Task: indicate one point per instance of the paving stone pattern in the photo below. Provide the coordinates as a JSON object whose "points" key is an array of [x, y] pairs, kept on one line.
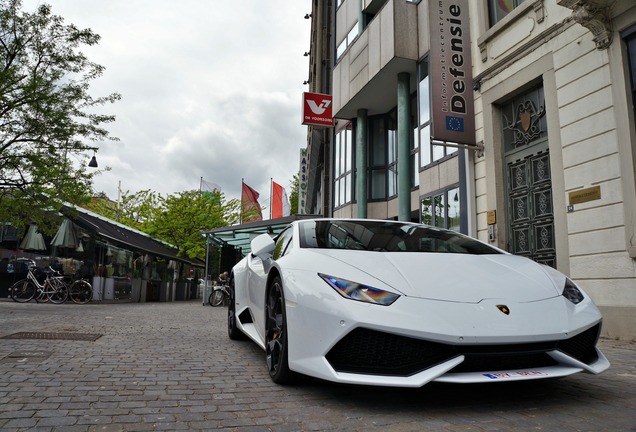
{"points": [[171, 366]]}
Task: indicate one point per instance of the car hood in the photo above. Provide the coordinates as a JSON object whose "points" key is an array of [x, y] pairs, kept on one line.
{"points": [[454, 277]]}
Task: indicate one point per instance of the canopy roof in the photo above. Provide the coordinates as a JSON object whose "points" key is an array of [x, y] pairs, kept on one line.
{"points": [[241, 235], [122, 235]]}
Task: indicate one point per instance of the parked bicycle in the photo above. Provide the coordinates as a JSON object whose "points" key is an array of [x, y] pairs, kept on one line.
{"points": [[220, 295], [80, 291], [49, 285]]}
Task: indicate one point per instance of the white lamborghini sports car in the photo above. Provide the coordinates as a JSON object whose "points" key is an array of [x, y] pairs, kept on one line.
{"points": [[400, 304]]}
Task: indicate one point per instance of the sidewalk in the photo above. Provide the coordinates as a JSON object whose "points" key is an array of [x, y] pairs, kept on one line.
{"points": [[171, 366]]}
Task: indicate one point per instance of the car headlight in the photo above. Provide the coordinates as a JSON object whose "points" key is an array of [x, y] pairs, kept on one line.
{"points": [[572, 292], [355, 291]]}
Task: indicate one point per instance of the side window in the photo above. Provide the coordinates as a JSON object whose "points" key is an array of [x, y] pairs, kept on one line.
{"points": [[283, 243]]}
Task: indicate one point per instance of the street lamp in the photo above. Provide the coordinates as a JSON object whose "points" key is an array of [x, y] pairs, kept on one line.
{"points": [[93, 162]]}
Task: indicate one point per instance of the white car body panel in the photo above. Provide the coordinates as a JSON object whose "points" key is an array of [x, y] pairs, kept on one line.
{"points": [[445, 298]]}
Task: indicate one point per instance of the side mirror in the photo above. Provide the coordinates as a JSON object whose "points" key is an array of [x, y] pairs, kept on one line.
{"points": [[263, 246]]}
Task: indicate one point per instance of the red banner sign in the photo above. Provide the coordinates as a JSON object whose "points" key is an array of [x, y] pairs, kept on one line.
{"points": [[317, 109]]}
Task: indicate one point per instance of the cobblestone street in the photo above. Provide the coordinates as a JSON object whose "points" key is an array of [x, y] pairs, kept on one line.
{"points": [[171, 366]]}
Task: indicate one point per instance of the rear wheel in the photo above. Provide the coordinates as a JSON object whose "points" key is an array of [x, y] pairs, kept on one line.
{"points": [[276, 343], [22, 291], [80, 292]]}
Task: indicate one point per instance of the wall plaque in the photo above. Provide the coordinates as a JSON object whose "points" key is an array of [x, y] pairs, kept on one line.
{"points": [[585, 195]]}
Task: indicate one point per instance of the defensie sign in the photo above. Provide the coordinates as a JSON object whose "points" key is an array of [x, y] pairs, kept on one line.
{"points": [[452, 102]]}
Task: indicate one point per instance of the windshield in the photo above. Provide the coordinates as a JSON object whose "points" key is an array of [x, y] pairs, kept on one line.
{"points": [[387, 236]]}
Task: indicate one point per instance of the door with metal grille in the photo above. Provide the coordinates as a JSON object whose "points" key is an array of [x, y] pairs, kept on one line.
{"points": [[530, 213], [530, 216]]}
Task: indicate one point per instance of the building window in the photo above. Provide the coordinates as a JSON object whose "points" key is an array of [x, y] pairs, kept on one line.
{"points": [[415, 163], [428, 153], [441, 209], [392, 155], [382, 161], [343, 171], [498, 9], [353, 33]]}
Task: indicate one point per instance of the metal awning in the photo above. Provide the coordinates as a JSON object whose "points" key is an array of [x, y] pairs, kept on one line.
{"points": [[241, 235], [120, 235]]}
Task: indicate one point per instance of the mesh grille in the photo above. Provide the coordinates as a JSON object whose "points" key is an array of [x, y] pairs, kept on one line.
{"points": [[581, 346], [373, 352]]}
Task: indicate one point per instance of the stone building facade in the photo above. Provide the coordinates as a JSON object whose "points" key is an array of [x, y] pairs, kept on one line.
{"points": [[550, 173]]}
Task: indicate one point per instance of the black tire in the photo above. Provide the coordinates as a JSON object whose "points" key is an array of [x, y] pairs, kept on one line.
{"points": [[216, 298], [22, 291], [58, 294], [80, 292], [276, 343], [233, 331]]}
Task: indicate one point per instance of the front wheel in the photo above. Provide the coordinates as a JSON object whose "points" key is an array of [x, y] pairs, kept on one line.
{"points": [[80, 292], [276, 341], [22, 291]]}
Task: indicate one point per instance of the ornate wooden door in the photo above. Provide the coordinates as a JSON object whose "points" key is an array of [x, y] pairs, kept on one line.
{"points": [[530, 216]]}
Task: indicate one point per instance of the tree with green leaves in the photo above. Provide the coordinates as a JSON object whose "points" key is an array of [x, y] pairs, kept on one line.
{"points": [[293, 196], [186, 215], [48, 118], [136, 210]]}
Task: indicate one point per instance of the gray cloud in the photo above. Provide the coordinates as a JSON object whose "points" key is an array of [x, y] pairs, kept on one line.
{"points": [[210, 88]]}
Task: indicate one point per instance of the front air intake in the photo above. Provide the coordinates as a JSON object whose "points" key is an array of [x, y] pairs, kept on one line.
{"points": [[373, 352]]}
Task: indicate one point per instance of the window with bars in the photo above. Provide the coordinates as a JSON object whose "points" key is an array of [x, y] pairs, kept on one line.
{"points": [[524, 120]]}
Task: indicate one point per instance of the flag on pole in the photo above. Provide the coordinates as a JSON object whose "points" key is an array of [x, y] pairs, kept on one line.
{"points": [[280, 202], [209, 186], [250, 208], [210, 190]]}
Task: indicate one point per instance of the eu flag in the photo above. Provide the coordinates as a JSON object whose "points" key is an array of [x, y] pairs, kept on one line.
{"points": [[455, 124]]}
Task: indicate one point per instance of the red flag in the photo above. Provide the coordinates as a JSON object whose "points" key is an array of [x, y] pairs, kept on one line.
{"points": [[280, 202], [250, 208]]}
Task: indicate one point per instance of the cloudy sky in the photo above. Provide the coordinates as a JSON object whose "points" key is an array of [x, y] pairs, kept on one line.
{"points": [[210, 88]]}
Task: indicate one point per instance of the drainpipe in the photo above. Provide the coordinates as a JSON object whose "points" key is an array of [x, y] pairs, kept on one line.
{"points": [[361, 163], [404, 131]]}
